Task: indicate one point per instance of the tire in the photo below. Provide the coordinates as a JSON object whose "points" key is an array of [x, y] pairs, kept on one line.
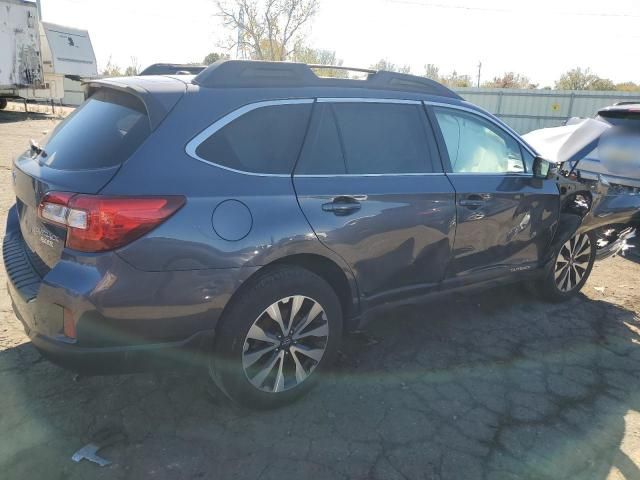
{"points": [[254, 367], [3, 103], [570, 269]]}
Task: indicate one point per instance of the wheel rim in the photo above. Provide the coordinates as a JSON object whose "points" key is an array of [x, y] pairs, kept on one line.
{"points": [[573, 262], [285, 344]]}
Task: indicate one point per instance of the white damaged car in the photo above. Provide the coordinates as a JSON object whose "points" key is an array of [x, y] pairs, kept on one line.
{"points": [[603, 153]]}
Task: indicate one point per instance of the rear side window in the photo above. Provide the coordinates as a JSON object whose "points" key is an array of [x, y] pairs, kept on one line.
{"points": [[368, 138], [101, 133], [264, 140]]}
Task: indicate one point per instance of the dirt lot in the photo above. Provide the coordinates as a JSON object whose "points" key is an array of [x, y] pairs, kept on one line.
{"points": [[495, 385]]}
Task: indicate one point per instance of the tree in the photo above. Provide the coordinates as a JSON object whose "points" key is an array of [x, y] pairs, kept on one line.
{"points": [[432, 71], [213, 57], [579, 79], [269, 29], [314, 56], [133, 69], [510, 80], [628, 87], [603, 84], [456, 81], [111, 70], [384, 64]]}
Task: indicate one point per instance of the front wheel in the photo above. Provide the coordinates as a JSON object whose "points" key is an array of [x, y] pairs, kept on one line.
{"points": [[276, 337], [3, 103], [571, 268]]}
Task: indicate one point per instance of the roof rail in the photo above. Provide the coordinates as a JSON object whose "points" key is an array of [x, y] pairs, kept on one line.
{"points": [[636, 102], [252, 73], [318, 66]]}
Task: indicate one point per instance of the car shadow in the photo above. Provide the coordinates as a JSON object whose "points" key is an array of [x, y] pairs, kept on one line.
{"points": [[12, 116], [490, 385]]}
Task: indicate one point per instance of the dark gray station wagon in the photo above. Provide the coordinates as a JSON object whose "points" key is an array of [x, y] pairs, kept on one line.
{"points": [[253, 213]]}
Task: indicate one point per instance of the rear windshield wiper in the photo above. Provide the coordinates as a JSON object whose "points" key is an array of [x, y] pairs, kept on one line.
{"points": [[37, 149]]}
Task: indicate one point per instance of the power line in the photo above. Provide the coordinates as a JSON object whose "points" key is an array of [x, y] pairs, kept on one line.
{"points": [[505, 10]]}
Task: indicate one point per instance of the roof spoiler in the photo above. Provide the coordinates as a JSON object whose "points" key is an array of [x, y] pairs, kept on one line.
{"points": [[250, 73], [158, 96]]}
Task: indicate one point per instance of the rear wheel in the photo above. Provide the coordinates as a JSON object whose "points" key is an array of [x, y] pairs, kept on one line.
{"points": [[571, 268], [3, 103], [276, 337]]}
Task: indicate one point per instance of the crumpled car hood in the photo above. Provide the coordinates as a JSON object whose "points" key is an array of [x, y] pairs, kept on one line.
{"points": [[605, 153], [567, 143]]}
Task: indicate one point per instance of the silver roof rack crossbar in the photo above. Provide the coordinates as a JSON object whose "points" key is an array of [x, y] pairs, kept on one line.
{"points": [[340, 67]]}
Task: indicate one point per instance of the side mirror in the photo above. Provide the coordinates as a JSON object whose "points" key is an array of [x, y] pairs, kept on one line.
{"points": [[542, 168]]}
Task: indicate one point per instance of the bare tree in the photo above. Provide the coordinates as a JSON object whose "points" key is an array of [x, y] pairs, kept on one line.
{"points": [[111, 69], [384, 64], [313, 56], [133, 69], [432, 71], [269, 29]]}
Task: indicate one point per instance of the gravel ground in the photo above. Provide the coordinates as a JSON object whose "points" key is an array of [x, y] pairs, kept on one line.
{"points": [[495, 385]]}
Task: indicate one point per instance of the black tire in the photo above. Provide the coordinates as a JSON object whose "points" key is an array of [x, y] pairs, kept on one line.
{"points": [[561, 288], [3, 103], [249, 307]]}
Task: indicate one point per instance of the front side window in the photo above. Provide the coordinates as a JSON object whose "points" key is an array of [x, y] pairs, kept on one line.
{"points": [[475, 145], [265, 140], [368, 138]]}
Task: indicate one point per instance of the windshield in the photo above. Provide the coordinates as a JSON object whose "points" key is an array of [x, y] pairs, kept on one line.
{"points": [[101, 133]]}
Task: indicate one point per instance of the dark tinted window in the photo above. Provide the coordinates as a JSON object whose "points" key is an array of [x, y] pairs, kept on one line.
{"points": [[383, 138], [622, 118], [103, 132], [264, 140], [322, 153]]}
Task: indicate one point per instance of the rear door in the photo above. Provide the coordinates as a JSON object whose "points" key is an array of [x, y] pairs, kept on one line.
{"points": [[505, 216], [370, 182], [81, 155]]}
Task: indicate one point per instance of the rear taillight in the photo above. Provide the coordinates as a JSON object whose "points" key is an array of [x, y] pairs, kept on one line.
{"points": [[97, 223]]}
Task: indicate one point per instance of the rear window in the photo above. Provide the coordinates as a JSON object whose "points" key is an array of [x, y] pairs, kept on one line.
{"points": [[103, 132], [264, 140]]}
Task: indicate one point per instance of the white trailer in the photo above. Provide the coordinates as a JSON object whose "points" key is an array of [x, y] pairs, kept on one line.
{"points": [[36, 57]]}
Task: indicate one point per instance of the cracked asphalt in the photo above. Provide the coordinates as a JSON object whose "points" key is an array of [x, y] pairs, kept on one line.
{"points": [[495, 385]]}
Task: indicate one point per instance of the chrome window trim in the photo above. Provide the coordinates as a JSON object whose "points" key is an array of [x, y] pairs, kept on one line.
{"points": [[219, 124], [368, 100], [497, 123], [310, 175]]}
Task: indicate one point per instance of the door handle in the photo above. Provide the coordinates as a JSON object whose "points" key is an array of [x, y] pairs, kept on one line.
{"points": [[474, 201], [471, 203], [343, 205]]}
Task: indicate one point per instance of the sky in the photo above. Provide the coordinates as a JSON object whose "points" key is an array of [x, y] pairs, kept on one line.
{"points": [[540, 39]]}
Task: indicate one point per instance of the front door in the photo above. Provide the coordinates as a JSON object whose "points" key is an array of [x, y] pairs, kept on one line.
{"points": [[371, 184], [505, 216]]}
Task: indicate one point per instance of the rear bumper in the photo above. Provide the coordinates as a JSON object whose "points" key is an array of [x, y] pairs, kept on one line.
{"points": [[112, 360], [126, 319]]}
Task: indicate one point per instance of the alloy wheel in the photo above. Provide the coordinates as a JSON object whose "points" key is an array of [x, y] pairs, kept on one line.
{"points": [[572, 262], [285, 344]]}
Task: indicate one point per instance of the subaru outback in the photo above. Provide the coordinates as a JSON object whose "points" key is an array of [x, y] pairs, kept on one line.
{"points": [[251, 215]]}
